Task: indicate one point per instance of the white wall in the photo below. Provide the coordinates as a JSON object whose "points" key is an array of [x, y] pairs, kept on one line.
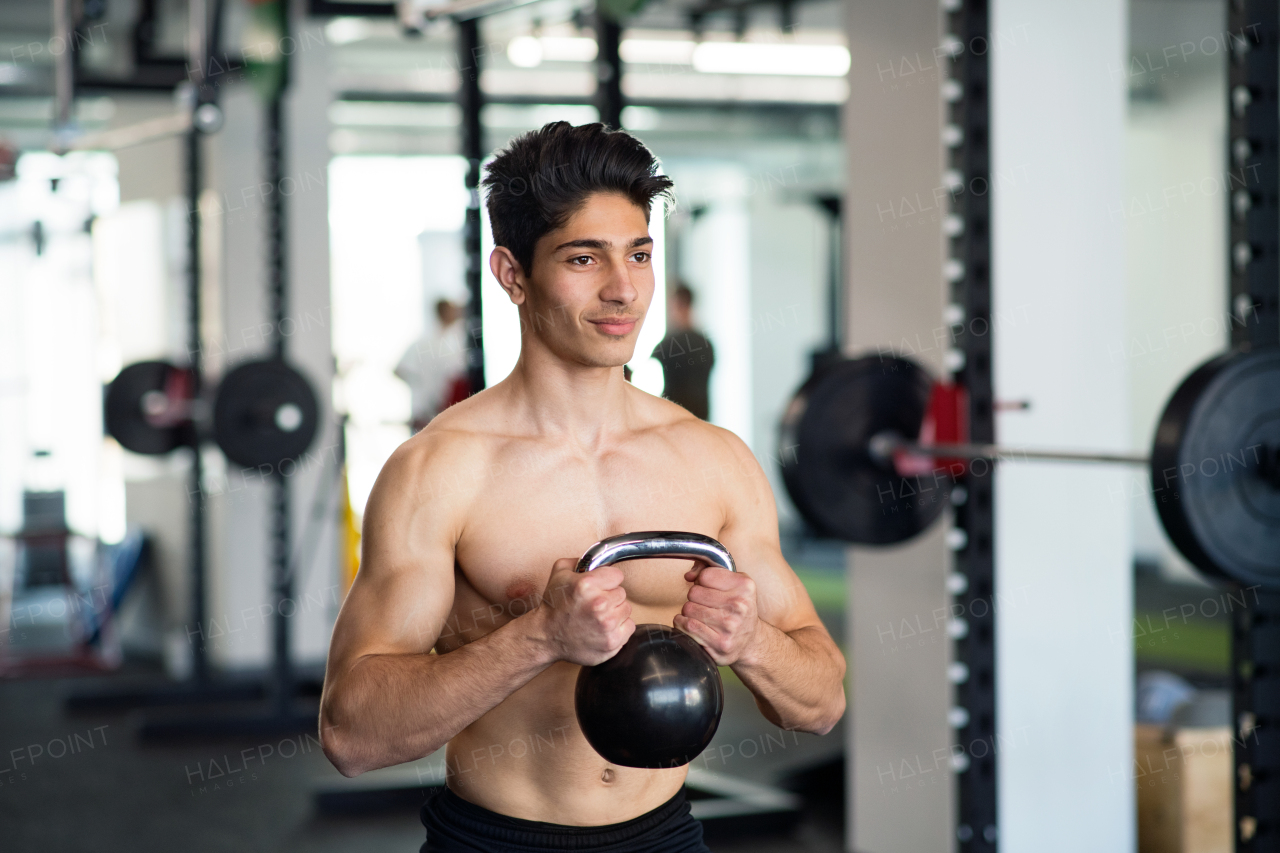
{"points": [[1174, 212], [239, 505], [1063, 537], [790, 245], [310, 345], [140, 254]]}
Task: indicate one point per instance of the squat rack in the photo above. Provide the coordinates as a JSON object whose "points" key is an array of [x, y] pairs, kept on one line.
{"points": [[281, 685], [1253, 262]]}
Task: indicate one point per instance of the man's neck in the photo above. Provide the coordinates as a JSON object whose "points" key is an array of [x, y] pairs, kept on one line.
{"points": [[555, 397]]}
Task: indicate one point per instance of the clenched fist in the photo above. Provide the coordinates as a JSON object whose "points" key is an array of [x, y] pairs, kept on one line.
{"points": [[720, 613], [587, 615]]}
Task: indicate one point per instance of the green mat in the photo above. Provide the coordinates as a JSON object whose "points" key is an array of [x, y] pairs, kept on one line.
{"points": [[1200, 645]]}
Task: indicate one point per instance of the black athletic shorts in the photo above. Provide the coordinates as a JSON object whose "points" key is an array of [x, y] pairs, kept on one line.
{"points": [[457, 826]]}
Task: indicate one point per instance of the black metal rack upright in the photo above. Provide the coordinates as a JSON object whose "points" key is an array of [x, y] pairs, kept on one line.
{"points": [[1253, 156], [608, 95], [195, 490], [967, 97], [471, 102], [282, 685]]}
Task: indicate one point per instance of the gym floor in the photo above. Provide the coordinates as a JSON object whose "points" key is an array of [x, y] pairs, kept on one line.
{"points": [[106, 792]]}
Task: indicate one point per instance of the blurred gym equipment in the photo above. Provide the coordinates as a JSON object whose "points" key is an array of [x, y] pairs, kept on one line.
{"points": [[264, 414], [875, 450], [878, 455], [66, 592]]}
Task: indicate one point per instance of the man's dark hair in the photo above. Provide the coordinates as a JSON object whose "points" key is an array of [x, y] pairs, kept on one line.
{"points": [[543, 177]]}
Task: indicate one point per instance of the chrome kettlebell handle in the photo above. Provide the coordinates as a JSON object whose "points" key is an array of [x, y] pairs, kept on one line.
{"points": [[655, 543]]}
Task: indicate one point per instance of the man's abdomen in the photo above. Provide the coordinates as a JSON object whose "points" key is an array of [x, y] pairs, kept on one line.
{"points": [[528, 759]]}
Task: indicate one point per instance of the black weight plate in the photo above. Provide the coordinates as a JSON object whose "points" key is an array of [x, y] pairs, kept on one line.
{"points": [[265, 413], [828, 470], [142, 386], [1213, 470]]}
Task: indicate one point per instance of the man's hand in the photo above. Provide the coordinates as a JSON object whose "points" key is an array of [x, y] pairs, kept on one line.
{"points": [[587, 615], [720, 613]]}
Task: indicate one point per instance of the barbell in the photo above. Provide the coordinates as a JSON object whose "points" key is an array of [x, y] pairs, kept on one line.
{"points": [[264, 413], [857, 468]]}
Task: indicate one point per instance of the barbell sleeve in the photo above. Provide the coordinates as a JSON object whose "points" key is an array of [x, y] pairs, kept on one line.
{"points": [[652, 544], [884, 445]]}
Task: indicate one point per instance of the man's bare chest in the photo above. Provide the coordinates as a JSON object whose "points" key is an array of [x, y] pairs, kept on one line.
{"points": [[532, 511]]}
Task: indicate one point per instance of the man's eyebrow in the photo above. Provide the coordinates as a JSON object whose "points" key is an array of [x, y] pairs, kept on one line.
{"points": [[583, 244], [603, 245]]}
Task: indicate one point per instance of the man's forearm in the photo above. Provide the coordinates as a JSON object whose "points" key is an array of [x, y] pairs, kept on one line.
{"points": [[389, 709], [797, 678]]}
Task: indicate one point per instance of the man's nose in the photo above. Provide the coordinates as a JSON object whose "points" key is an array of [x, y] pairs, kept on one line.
{"points": [[618, 287]]}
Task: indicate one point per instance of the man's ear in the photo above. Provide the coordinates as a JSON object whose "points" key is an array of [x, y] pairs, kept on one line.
{"points": [[506, 269]]}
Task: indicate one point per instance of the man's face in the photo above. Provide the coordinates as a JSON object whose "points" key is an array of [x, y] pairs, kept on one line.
{"points": [[591, 283]]}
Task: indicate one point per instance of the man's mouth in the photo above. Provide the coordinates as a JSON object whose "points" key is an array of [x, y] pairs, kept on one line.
{"points": [[616, 326]]}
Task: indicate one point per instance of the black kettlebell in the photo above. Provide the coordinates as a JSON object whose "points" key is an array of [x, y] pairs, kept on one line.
{"points": [[657, 702]]}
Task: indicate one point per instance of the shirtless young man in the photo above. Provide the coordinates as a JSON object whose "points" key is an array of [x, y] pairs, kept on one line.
{"points": [[475, 524]]}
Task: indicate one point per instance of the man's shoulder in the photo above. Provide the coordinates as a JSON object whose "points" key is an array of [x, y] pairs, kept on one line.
{"points": [[693, 434], [439, 442], [716, 458], [446, 454]]}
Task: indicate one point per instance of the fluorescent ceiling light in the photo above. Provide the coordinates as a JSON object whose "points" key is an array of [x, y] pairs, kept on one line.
{"points": [[525, 52], [562, 49], [530, 52], [736, 57], [714, 57], [346, 30], [656, 52]]}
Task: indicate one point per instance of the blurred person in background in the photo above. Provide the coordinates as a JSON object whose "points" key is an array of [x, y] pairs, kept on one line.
{"points": [[435, 366], [687, 357]]}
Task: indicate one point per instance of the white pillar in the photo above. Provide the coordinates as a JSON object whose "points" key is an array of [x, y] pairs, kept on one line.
{"points": [[1063, 550], [317, 586], [900, 788]]}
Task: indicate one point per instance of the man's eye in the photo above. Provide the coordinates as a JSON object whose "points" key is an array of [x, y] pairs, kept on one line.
{"points": [[641, 257], [581, 260]]}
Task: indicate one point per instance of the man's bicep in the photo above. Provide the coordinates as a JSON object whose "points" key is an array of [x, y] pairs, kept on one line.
{"points": [[751, 535], [781, 597], [404, 590]]}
